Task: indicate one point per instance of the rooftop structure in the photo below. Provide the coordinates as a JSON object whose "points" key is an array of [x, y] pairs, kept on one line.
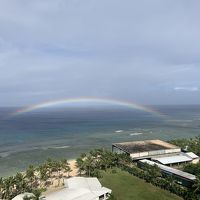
{"points": [[80, 188], [177, 158], [195, 158], [183, 177], [145, 149], [180, 158]]}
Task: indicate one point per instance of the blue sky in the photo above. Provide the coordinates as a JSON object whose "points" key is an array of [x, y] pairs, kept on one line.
{"points": [[145, 51]]}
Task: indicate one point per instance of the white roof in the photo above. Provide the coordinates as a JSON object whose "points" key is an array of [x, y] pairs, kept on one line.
{"points": [[81, 182], [21, 196], [192, 155], [171, 170], [173, 159], [79, 188], [71, 194]]}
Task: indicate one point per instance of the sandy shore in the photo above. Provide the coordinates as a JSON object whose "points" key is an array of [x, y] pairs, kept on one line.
{"points": [[72, 164], [55, 186]]}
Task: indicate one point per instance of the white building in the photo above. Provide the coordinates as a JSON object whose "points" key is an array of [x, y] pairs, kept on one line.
{"points": [[156, 150], [181, 177], [80, 188]]}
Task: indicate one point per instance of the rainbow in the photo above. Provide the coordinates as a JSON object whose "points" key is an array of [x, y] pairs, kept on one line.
{"points": [[47, 104]]}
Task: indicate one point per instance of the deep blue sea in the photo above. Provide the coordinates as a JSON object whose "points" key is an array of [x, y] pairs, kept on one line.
{"points": [[64, 133]]}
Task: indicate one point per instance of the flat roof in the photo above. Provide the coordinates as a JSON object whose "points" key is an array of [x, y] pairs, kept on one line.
{"points": [[91, 183], [173, 159], [71, 194], [144, 146], [171, 170]]}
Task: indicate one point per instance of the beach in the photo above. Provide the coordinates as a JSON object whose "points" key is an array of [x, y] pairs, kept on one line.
{"points": [[55, 186], [72, 164]]}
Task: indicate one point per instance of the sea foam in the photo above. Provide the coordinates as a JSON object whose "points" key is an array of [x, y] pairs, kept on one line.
{"points": [[133, 134]]}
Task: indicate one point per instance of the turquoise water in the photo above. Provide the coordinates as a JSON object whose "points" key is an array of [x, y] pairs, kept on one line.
{"points": [[65, 133]]}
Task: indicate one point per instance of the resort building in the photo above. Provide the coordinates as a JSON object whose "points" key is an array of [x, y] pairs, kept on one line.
{"points": [[145, 149], [156, 150], [80, 188], [181, 177], [162, 154]]}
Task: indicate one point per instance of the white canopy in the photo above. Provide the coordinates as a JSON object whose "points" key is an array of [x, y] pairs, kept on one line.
{"points": [[192, 155], [173, 159]]}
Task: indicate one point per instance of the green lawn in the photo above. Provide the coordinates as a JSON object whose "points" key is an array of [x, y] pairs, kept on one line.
{"points": [[128, 187]]}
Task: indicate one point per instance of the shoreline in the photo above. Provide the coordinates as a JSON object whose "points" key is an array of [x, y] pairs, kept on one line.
{"points": [[14, 171], [55, 185]]}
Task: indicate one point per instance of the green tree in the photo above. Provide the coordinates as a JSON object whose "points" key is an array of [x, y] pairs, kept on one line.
{"points": [[30, 175], [21, 184], [65, 166], [80, 165]]}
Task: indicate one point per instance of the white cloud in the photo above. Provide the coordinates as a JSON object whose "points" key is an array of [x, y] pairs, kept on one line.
{"points": [[130, 50], [192, 89]]}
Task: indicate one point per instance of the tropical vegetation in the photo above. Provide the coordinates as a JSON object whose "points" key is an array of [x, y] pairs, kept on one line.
{"points": [[98, 163], [34, 180], [191, 144], [192, 168]]}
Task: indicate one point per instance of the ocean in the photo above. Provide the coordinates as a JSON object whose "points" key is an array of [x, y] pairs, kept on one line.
{"points": [[33, 137]]}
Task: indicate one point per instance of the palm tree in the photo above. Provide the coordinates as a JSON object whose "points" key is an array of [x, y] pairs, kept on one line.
{"points": [[8, 188], [65, 166], [80, 165], [123, 159], [88, 165], [43, 170], [30, 175], [21, 185], [51, 167], [1, 187], [58, 168]]}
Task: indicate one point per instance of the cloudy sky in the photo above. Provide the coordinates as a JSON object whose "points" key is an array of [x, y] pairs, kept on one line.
{"points": [[145, 51]]}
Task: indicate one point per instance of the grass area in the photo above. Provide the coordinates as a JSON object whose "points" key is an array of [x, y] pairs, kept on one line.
{"points": [[128, 187]]}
